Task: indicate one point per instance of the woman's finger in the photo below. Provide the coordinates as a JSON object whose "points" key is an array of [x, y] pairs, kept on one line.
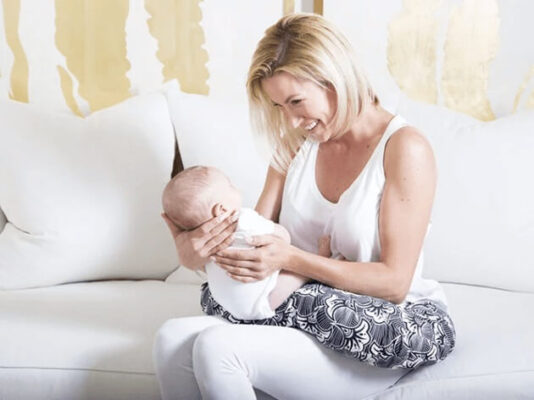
{"points": [[223, 245], [238, 271], [223, 236], [239, 254], [261, 240], [175, 231], [205, 229], [244, 279], [235, 263], [323, 246], [230, 219]]}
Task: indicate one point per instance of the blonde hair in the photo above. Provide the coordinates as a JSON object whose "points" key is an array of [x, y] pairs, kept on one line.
{"points": [[306, 46]]}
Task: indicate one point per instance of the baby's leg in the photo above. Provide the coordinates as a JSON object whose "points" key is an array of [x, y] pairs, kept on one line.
{"points": [[286, 284]]}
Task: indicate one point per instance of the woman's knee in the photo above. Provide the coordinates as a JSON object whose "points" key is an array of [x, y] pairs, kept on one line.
{"points": [[214, 348], [178, 334]]}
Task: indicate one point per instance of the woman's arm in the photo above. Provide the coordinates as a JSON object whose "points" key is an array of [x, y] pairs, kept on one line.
{"points": [[269, 205], [270, 199], [403, 219], [405, 209]]}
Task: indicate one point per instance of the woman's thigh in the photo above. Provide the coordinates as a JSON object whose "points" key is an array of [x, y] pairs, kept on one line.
{"points": [[287, 363]]}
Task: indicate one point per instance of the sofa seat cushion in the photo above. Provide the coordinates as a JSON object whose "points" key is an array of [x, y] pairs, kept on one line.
{"points": [[86, 340], [494, 354]]}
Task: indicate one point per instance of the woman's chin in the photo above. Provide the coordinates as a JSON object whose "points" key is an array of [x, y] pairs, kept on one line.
{"points": [[319, 137]]}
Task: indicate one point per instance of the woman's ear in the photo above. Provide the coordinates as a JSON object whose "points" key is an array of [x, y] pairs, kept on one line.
{"points": [[217, 210]]}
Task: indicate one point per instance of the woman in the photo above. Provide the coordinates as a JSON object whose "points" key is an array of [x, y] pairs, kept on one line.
{"points": [[343, 166]]}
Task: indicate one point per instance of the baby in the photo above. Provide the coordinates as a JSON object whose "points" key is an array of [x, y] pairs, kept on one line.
{"points": [[200, 193]]}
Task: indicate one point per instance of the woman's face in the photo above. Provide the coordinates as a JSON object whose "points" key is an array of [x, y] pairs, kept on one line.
{"points": [[304, 104]]}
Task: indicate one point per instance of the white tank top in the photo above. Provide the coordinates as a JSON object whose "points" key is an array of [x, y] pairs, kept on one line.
{"points": [[352, 222]]}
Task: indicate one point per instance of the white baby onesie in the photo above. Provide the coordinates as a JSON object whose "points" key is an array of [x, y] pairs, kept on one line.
{"points": [[244, 300]]}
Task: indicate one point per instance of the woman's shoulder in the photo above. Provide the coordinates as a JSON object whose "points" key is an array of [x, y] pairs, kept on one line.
{"points": [[407, 147]]}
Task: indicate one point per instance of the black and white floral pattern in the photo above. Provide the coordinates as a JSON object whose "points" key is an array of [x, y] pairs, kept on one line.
{"points": [[372, 330]]}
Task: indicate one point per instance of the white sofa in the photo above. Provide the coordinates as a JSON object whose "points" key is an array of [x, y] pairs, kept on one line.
{"points": [[92, 338]]}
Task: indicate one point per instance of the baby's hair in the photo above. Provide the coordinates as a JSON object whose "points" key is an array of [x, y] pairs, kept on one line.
{"points": [[188, 197]]}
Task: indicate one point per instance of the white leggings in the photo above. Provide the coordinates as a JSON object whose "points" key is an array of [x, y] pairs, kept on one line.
{"points": [[207, 357]]}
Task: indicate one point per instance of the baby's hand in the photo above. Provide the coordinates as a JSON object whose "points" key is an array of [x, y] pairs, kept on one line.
{"points": [[324, 246]]}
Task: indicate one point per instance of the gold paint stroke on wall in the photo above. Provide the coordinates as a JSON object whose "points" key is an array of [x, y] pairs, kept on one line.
{"points": [[67, 89], [530, 101], [175, 24], [318, 7], [471, 44], [91, 35], [411, 50], [20, 69], [288, 7]]}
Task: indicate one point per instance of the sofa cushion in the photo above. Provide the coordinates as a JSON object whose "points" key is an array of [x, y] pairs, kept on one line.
{"points": [[86, 340], [215, 131], [83, 196], [494, 356], [3, 221], [483, 215]]}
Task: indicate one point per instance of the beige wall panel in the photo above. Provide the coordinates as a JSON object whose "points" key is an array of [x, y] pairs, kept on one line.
{"points": [[91, 36], [176, 26], [146, 71], [20, 69], [289, 6], [471, 44], [412, 51], [522, 92], [232, 34]]}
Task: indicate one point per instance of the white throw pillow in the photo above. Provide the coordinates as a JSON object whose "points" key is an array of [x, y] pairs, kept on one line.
{"points": [[3, 221], [483, 216], [216, 131], [83, 196]]}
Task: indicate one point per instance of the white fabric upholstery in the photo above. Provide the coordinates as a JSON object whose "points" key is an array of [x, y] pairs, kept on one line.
{"points": [[3, 221], [483, 216], [494, 356], [83, 196], [223, 129], [94, 341], [86, 340]]}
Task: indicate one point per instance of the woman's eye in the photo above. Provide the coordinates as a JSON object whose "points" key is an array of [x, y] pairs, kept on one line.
{"points": [[296, 101]]}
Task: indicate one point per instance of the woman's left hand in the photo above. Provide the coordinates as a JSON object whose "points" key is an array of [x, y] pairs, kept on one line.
{"points": [[270, 254]]}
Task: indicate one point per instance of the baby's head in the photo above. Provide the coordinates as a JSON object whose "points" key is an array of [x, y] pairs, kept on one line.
{"points": [[197, 194]]}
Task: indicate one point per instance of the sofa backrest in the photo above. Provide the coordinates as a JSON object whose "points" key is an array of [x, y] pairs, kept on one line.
{"points": [[2, 221], [483, 216]]}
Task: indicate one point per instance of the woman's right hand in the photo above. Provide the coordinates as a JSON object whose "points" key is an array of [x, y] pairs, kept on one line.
{"points": [[195, 247]]}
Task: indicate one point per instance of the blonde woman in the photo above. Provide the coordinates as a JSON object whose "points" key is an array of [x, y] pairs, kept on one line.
{"points": [[345, 172]]}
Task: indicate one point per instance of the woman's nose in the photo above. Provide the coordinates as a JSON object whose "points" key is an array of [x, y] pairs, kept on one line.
{"points": [[293, 119]]}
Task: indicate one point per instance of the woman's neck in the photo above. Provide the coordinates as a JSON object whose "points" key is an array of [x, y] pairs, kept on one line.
{"points": [[371, 123]]}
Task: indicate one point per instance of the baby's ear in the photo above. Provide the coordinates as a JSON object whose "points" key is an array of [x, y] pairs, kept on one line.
{"points": [[217, 210]]}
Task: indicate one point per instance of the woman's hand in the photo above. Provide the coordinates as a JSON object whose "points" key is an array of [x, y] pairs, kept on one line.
{"points": [[195, 247], [270, 254], [323, 246]]}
